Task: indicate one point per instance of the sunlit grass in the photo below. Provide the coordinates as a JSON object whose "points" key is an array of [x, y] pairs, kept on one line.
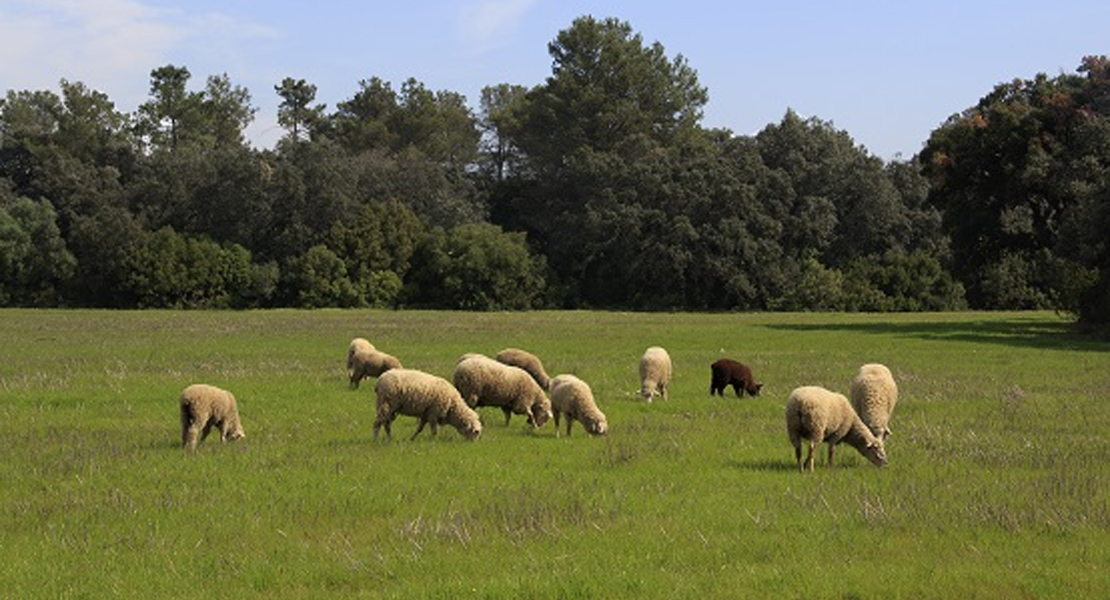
{"points": [[996, 488]]}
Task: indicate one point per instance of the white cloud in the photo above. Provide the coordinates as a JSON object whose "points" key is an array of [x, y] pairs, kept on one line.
{"points": [[107, 44], [110, 45], [489, 23]]}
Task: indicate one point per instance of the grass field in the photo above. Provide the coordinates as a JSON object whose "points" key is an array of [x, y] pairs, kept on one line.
{"points": [[998, 484]]}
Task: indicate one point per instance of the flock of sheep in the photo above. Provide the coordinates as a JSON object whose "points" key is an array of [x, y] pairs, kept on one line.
{"points": [[515, 381]]}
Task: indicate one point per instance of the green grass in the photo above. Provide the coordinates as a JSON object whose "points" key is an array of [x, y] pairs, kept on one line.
{"points": [[997, 485]]}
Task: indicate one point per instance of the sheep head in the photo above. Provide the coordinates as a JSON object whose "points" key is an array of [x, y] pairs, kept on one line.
{"points": [[466, 421], [599, 427], [234, 434], [875, 452], [539, 414]]}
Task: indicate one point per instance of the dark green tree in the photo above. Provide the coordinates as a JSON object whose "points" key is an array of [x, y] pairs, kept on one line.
{"points": [[1008, 174], [438, 124], [227, 111], [836, 201], [376, 245], [296, 113], [169, 270], [365, 122], [173, 114], [1083, 275], [35, 264], [74, 150], [475, 267], [317, 279], [600, 137], [105, 243], [499, 156]]}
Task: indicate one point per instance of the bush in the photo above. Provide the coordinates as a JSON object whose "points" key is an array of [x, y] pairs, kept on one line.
{"points": [[475, 266], [318, 279], [901, 282], [169, 270]]}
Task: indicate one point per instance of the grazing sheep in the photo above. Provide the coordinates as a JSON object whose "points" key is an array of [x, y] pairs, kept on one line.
{"points": [[527, 361], [572, 396], [358, 344], [817, 415], [655, 373], [483, 381], [874, 395], [427, 397], [728, 372], [204, 407], [370, 363]]}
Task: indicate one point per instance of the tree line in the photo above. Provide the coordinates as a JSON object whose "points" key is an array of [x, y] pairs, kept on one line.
{"points": [[598, 188]]}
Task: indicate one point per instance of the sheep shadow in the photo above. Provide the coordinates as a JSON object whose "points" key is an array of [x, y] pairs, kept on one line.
{"points": [[1034, 332]]}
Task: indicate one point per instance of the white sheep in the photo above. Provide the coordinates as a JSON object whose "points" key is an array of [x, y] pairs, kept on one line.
{"points": [[483, 381], [357, 345], [874, 394], [572, 397], [527, 361], [431, 399], [817, 415], [655, 373], [370, 363], [204, 407]]}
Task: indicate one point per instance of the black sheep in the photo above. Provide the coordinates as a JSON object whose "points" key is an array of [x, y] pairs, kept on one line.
{"points": [[728, 372]]}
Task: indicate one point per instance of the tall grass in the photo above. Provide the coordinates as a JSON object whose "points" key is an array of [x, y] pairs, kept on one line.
{"points": [[997, 486]]}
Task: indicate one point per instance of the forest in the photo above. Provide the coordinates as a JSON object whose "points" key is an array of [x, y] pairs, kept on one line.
{"points": [[598, 188]]}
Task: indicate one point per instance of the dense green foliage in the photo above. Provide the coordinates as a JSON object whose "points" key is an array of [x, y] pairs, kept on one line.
{"points": [[1023, 181], [624, 200], [996, 485]]}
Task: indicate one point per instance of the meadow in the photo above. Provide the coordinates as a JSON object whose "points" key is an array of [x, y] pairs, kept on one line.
{"points": [[998, 484]]}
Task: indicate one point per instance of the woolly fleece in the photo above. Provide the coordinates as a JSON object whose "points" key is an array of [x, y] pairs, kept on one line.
{"points": [[431, 399], [816, 415], [203, 407], [574, 398]]}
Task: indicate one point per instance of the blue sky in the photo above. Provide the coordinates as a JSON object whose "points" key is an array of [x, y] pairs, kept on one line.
{"points": [[886, 72]]}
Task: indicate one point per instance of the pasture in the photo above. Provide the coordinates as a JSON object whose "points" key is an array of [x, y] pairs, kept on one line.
{"points": [[998, 484]]}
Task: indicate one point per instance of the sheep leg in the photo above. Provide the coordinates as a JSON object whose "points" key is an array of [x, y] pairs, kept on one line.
{"points": [[831, 447], [189, 437], [379, 422], [809, 457], [532, 419], [207, 428], [508, 414], [420, 427], [569, 422], [186, 426]]}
